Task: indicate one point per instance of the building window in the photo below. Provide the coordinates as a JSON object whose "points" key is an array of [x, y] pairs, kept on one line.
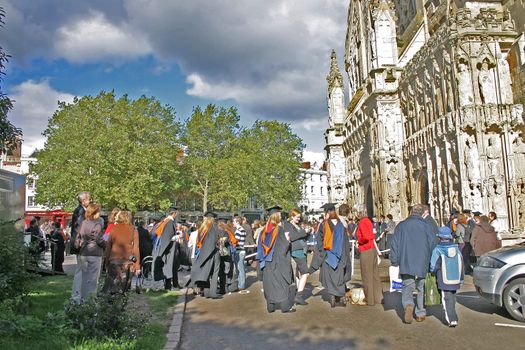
{"points": [[321, 191], [321, 178], [31, 201], [312, 190], [33, 184]]}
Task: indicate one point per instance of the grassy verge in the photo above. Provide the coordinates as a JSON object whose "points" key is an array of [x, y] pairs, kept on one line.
{"points": [[49, 295]]}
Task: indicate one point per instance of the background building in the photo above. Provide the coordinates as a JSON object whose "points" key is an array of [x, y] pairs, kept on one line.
{"points": [[433, 114], [315, 188]]}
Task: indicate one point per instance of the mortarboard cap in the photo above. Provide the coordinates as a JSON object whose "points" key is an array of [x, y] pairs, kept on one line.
{"points": [[328, 207], [173, 208], [476, 213], [210, 214], [466, 211], [274, 209]]}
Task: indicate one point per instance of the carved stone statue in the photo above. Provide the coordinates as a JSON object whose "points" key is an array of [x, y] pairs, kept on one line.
{"points": [[519, 158], [505, 81], [521, 206], [494, 158], [466, 90], [471, 158], [486, 83], [393, 184]]}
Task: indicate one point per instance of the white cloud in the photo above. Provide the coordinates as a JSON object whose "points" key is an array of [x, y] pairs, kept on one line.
{"points": [[94, 38], [317, 157], [35, 103]]}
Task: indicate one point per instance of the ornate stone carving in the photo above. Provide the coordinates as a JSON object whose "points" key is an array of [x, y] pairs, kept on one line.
{"points": [[518, 148], [487, 88], [493, 153], [466, 90], [471, 159]]}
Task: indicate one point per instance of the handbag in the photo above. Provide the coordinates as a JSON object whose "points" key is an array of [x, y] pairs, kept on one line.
{"points": [[432, 296], [78, 238]]}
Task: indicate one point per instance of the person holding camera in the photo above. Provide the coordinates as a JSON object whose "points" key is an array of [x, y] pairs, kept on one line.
{"points": [[122, 254]]}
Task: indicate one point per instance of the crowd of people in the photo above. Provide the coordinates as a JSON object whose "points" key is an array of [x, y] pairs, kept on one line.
{"points": [[219, 249]]}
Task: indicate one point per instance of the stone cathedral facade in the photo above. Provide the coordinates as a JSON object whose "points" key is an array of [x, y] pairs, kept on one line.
{"points": [[434, 111]]}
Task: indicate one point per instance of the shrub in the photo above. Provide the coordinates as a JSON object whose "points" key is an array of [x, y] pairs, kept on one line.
{"points": [[103, 317], [14, 278]]}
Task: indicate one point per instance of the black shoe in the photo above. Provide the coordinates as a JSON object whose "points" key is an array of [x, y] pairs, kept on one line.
{"points": [[290, 310], [216, 297], [299, 299], [343, 301], [270, 308], [332, 301]]}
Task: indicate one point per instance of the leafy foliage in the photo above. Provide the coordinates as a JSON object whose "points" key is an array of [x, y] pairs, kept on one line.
{"points": [[210, 138], [229, 164], [122, 151], [8, 132], [14, 279], [274, 155]]}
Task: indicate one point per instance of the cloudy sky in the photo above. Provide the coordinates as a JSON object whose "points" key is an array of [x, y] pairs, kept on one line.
{"points": [[269, 58]]}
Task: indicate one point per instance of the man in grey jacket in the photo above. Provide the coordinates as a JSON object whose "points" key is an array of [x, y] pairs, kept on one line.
{"points": [[412, 247]]}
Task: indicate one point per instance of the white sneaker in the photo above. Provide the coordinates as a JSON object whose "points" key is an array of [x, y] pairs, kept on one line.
{"points": [[453, 324]]}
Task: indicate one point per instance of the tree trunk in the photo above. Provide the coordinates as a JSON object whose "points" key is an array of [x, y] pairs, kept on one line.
{"points": [[205, 198]]}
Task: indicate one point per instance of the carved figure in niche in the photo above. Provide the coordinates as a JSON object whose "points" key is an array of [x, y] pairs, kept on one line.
{"points": [[519, 158], [494, 158], [471, 159], [496, 199], [466, 90], [505, 81], [455, 201], [521, 206], [393, 184], [475, 198], [486, 83]]}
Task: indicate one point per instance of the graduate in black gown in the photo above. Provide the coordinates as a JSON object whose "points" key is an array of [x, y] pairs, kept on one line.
{"points": [[57, 249], [205, 268], [165, 252], [332, 256], [226, 246], [273, 254]]}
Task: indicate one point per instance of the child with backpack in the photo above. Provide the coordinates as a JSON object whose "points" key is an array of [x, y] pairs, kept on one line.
{"points": [[446, 263]]}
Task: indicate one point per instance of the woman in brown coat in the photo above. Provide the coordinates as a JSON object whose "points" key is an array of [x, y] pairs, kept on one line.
{"points": [[122, 254], [484, 238]]}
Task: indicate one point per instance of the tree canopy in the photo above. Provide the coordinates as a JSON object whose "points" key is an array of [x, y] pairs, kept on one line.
{"points": [[227, 165], [122, 151], [8, 132]]}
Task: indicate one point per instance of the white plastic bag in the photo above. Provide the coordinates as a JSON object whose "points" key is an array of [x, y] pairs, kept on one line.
{"points": [[396, 284]]}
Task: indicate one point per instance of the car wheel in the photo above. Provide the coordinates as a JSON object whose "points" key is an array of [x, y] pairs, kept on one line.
{"points": [[514, 299]]}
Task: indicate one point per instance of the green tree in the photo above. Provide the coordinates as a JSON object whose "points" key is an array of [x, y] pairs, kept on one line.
{"points": [[8, 132], [122, 151], [227, 165], [210, 137], [273, 155]]}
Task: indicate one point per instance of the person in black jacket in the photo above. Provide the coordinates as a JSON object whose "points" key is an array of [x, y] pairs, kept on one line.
{"points": [[145, 245], [298, 251], [57, 249]]}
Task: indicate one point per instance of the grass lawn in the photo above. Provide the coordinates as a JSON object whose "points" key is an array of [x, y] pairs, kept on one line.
{"points": [[50, 294]]}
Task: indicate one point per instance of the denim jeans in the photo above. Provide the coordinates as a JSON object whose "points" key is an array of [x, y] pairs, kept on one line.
{"points": [[411, 284], [239, 263]]}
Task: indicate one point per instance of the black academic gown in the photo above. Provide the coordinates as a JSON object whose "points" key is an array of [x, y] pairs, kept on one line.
{"points": [[164, 255], [205, 268], [333, 280], [277, 275]]}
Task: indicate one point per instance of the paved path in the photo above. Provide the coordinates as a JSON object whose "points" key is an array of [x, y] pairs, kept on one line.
{"points": [[242, 322]]}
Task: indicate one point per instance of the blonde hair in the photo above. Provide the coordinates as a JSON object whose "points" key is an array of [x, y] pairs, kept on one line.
{"points": [[123, 217], [275, 218], [294, 212], [206, 225], [111, 217], [92, 211]]}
